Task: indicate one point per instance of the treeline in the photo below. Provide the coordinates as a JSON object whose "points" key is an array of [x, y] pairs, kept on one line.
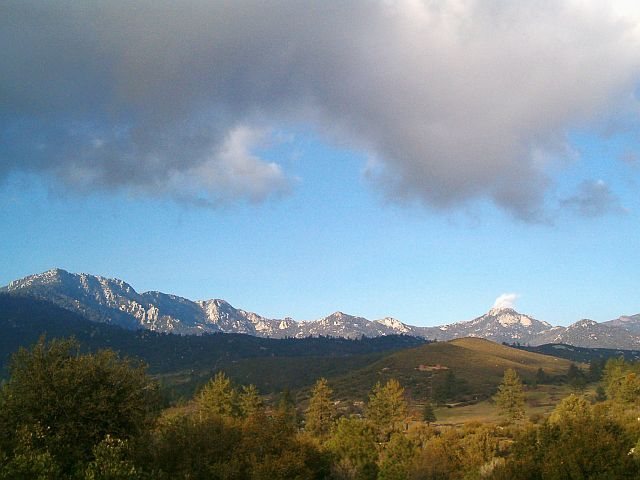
{"points": [[578, 354], [72, 415]]}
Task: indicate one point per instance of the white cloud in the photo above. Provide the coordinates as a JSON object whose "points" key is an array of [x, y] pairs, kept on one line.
{"points": [[231, 172], [506, 300], [457, 100]]}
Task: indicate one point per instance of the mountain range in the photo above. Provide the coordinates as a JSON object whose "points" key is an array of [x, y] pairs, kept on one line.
{"points": [[115, 302]]}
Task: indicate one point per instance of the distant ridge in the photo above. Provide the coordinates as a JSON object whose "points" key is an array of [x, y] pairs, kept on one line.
{"points": [[116, 302]]}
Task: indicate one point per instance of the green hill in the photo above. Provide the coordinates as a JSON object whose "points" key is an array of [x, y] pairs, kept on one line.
{"points": [[465, 369]]}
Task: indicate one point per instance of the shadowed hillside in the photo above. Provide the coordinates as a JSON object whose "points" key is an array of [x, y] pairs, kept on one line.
{"points": [[188, 361]]}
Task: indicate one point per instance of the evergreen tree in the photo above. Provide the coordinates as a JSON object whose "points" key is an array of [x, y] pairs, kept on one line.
{"points": [[353, 447], [428, 415], [596, 368], [321, 412], [218, 397], [601, 395], [576, 378], [541, 377], [387, 409], [576, 443], [510, 396], [287, 408], [250, 401], [397, 458], [444, 389]]}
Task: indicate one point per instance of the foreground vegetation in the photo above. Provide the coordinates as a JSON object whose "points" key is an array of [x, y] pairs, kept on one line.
{"points": [[69, 415]]}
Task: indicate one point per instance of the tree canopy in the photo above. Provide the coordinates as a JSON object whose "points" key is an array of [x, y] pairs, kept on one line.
{"points": [[68, 402], [510, 396]]}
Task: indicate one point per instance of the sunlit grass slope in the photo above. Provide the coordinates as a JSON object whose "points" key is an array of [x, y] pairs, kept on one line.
{"points": [[477, 364]]}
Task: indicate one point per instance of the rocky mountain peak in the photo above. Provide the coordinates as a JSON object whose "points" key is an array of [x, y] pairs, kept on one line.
{"points": [[394, 323], [114, 301], [584, 323]]}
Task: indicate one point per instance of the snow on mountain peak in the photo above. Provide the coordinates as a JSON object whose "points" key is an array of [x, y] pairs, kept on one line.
{"points": [[114, 301], [393, 323]]}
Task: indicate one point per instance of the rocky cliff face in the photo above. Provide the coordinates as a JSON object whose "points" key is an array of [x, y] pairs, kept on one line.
{"points": [[114, 301]]}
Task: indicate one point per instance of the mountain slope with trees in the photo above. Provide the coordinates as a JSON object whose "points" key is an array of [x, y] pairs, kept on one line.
{"points": [[190, 360]]}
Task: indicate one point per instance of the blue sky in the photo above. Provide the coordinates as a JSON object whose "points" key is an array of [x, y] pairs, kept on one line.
{"points": [[291, 172]]}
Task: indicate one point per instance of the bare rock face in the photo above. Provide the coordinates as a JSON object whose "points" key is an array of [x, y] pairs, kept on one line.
{"points": [[114, 301]]}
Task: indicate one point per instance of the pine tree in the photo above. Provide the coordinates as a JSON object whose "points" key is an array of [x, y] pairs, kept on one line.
{"points": [[321, 412], [445, 387], [576, 378], [353, 446], [287, 408], [541, 377], [510, 396], [387, 409], [250, 401], [428, 415], [397, 458], [218, 397]]}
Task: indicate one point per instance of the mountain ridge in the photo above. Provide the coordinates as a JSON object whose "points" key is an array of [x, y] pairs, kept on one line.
{"points": [[116, 302]]}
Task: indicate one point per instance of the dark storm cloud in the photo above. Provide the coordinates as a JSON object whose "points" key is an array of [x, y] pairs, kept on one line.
{"points": [[452, 101]]}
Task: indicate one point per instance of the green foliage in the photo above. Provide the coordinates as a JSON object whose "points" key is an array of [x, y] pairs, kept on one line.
{"points": [[439, 459], [469, 453], [28, 460], [596, 369], [250, 402], [576, 378], [541, 377], [510, 396], [576, 444], [258, 447], [110, 462], [218, 398], [353, 448], [74, 400], [387, 409], [287, 411], [601, 395], [622, 381], [274, 451], [397, 458], [446, 387], [428, 414], [478, 448], [572, 409], [321, 412], [185, 446]]}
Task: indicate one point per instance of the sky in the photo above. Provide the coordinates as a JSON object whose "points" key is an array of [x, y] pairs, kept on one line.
{"points": [[423, 160]]}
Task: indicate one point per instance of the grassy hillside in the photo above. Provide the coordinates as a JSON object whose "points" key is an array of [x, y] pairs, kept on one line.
{"points": [[472, 367]]}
